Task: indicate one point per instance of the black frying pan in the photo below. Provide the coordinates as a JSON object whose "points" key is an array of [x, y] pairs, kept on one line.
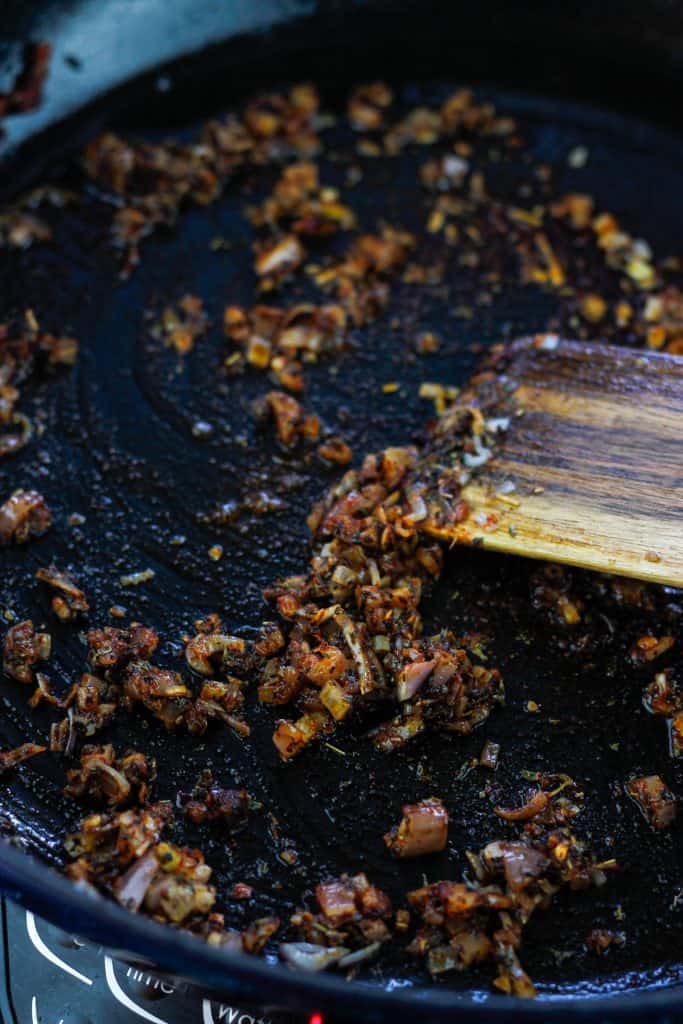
{"points": [[119, 449]]}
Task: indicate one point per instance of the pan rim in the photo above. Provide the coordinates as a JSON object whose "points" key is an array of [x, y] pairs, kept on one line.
{"points": [[24, 879]]}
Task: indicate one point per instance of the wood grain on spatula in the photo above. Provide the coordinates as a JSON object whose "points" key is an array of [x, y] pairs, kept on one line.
{"points": [[594, 449]]}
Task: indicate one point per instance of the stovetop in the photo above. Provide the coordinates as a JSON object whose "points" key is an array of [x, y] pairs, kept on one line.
{"points": [[53, 978]]}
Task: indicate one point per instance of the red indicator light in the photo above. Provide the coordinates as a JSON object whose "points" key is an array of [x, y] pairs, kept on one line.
{"points": [[316, 1018]]}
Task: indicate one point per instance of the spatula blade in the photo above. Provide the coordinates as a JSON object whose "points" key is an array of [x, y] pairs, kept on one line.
{"points": [[589, 471]]}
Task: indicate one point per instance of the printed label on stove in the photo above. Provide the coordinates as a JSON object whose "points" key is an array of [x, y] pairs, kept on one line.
{"points": [[54, 978], [150, 981], [220, 1013]]}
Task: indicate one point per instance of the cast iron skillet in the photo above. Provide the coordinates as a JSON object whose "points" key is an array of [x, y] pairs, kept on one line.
{"points": [[119, 448]]}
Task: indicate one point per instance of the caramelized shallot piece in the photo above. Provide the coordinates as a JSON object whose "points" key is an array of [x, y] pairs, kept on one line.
{"points": [[276, 339], [299, 202], [23, 648], [411, 678], [112, 648], [270, 640], [463, 923], [655, 801], [208, 802], [520, 863], [11, 758], [490, 755], [647, 648], [256, 934], [207, 653], [367, 106], [599, 940], [423, 829], [43, 691], [69, 601], [217, 700], [181, 325], [663, 696], [179, 889], [159, 690], [23, 516], [292, 422], [353, 914], [537, 803], [91, 704], [290, 738], [104, 778], [335, 449], [276, 260]]}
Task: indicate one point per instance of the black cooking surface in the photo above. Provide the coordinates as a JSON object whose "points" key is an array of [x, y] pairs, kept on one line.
{"points": [[119, 447]]}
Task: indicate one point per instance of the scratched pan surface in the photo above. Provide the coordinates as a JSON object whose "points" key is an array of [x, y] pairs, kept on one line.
{"points": [[118, 448]]}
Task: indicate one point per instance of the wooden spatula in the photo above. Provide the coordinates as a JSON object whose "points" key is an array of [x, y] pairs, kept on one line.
{"points": [[586, 462]]}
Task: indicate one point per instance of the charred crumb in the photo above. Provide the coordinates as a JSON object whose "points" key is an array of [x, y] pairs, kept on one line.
{"points": [[207, 801], [600, 940]]}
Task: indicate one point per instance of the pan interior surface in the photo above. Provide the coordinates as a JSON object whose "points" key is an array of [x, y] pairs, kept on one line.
{"points": [[138, 449]]}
